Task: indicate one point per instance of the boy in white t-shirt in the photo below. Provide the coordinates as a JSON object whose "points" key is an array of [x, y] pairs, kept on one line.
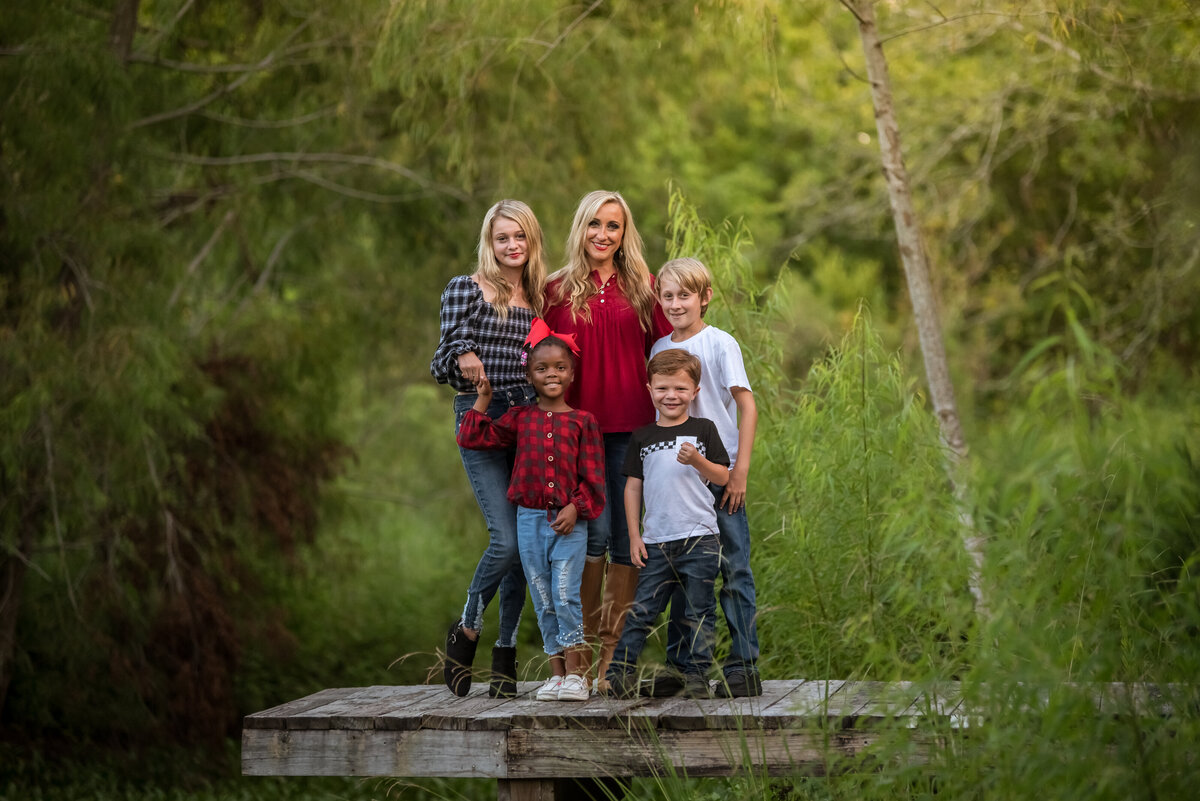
{"points": [[670, 464], [684, 288]]}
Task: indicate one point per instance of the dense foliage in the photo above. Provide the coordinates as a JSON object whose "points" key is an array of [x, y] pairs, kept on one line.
{"points": [[226, 479]]}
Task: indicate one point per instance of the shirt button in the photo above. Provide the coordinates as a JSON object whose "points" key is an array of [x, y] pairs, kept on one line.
{"points": [[550, 485], [549, 434], [549, 458], [601, 300]]}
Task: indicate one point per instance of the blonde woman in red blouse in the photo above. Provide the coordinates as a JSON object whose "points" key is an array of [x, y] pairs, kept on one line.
{"points": [[604, 297]]}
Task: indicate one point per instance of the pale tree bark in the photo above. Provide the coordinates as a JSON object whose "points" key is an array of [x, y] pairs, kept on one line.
{"points": [[920, 286]]}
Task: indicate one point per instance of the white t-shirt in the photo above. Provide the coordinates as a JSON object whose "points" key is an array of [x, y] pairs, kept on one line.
{"points": [[678, 503], [721, 369]]}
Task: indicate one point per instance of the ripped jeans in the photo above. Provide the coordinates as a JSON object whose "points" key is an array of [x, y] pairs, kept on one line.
{"points": [[499, 567], [554, 569]]}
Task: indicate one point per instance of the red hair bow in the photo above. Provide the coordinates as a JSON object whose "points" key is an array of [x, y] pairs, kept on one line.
{"points": [[540, 331]]}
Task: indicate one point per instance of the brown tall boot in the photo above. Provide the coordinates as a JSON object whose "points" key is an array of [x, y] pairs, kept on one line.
{"points": [[575, 686], [590, 592], [619, 589]]}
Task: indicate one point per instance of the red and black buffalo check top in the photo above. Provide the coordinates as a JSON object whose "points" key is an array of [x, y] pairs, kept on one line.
{"points": [[560, 456]]}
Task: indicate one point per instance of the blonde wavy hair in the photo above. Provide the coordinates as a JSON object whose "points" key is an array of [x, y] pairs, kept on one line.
{"points": [[533, 277], [633, 276]]}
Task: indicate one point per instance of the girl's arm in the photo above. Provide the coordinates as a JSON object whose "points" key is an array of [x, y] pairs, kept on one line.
{"points": [[484, 399], [633, 519], [588, 495], [482, 433], [734, 497]]}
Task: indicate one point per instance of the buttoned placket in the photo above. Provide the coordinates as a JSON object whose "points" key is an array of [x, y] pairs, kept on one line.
{"points": [[550, 435], [607, 284]]}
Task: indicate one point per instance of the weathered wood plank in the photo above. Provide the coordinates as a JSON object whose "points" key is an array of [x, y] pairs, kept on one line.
{"points": [[273, 718], [805, 702], [340, 713], [646, 752], [332, 752]]}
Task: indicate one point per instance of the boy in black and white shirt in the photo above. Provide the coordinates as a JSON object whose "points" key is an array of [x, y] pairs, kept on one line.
{"points": [[669, 465]]}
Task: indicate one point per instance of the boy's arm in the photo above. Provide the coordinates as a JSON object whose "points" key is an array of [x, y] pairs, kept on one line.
{"points": [[717, 473], [734, 497], [633, 519]]}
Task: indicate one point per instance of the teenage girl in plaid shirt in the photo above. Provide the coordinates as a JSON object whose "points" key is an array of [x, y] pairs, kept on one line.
{"points": [[485, 318], [557, 485]]}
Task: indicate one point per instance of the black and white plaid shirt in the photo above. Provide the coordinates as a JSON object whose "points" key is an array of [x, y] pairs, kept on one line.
{"points": [[470, 323]]}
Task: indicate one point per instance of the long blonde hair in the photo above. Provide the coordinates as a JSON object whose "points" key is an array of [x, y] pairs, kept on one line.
{"points": [[633, 276], [533, 277]]}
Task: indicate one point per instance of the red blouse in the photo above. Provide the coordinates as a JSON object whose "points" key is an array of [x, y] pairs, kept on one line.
{"points": [[611, 379]]}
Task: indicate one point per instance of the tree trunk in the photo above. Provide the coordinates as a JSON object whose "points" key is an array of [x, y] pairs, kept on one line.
{"points": [[123, 27], [920, 287], [13, 568]]}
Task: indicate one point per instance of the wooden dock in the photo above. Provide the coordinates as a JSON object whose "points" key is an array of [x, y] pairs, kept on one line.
{"points": [[795, 728]]}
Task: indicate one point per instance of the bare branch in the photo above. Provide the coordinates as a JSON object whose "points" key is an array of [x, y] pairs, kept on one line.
{"points": [[1074, 55], [358, 194], [281, 59], [232, 86], [320, 158], [270, 124], [567, 31], [154, 42], [53, 488], [201, 256]]}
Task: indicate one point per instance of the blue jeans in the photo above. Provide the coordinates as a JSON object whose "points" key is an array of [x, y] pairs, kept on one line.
{"points": [[500, 566], [737, 595], [609, 531], [685, 567], [553, 565]]}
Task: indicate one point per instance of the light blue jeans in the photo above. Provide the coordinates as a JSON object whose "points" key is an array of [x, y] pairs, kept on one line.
{"points": [[500, 566], [554, 567]]}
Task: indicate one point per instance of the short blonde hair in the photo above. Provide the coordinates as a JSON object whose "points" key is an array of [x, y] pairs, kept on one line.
{"points": [[672, 361], [689, 273]]}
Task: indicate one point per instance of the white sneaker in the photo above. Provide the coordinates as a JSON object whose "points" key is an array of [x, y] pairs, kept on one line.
{"points": [[549, 690], [574, 688]]}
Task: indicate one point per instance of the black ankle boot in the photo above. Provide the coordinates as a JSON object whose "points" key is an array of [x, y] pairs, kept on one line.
{"points": [[460, 653], [504, 673]]}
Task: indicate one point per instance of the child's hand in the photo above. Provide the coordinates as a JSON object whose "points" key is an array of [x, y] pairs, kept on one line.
{"points": [[637, 550], [688, 454], [734, 497], [565, 522], [484, 388]]}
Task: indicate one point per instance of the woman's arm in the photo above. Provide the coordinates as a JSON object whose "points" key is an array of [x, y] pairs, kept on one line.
{"points": [[457, 337]]}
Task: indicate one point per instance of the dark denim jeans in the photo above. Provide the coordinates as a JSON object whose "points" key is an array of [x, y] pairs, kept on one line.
{"points": [[689, 566], [738, 601], [609, 532], [500, 566]]}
